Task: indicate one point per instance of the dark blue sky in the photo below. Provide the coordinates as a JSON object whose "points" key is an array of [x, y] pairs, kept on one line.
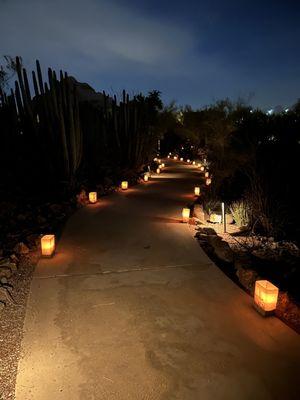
{"points": [[192, 51]]}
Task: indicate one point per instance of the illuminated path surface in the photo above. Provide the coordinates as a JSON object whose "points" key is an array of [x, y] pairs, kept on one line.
{"points": [[131, 308]]}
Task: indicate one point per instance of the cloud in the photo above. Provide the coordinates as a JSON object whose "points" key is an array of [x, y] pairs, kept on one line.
{"points": [[100, 32], [109, 44], [195, 53]]}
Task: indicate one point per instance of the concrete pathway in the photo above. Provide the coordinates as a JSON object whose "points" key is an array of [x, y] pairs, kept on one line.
{"points": [[131, 308]]}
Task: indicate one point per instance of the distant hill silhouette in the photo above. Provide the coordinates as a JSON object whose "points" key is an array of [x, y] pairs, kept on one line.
{"points": [[87, 94]]}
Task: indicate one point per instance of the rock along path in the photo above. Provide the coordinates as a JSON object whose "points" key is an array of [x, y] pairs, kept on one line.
{"points": [[131, 308]]}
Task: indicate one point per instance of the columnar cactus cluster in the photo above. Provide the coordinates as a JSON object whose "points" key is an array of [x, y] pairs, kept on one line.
{"points": [[48, 134]]}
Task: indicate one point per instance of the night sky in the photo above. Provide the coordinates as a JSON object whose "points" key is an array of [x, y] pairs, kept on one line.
{"points": [[194, 52]]}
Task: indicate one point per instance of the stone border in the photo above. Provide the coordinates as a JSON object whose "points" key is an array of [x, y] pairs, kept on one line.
{"points": [[237, 266]]}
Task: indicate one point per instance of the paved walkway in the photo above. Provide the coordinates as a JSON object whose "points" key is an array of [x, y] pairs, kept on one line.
{"points": [[131, 308]]}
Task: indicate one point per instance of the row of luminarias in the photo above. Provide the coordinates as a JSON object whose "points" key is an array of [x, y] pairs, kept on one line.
{"points": [[265, 293], [48, 241], [199, 165]]}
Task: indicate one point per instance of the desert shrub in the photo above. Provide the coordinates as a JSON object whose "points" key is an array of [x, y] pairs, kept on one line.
{"points": [[240, 212], [211, 204], [270, 211]]}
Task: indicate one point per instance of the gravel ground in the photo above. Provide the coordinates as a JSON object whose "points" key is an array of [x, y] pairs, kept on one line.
{"points": [[11, 326]]}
